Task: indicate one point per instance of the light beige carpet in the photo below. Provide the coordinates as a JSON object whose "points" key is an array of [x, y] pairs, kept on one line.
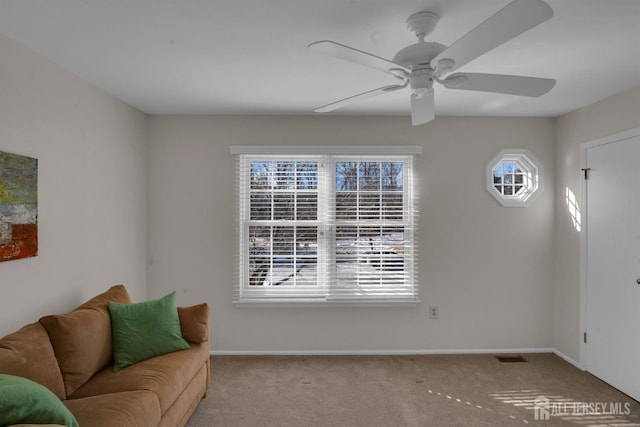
{"points": [[438, 390]]}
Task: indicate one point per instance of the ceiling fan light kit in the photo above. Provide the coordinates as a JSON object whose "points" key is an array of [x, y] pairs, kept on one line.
{"points": [[423, 63]]}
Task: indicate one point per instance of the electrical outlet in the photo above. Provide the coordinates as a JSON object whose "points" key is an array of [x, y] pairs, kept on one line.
{"points": [[433, 312]]}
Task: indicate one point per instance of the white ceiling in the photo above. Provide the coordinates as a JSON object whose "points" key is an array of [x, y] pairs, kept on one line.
{"points": [[250, 56]]}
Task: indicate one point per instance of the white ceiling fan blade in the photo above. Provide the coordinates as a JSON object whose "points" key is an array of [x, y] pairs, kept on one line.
{"points": [[422, 107], [514, 19], [512, 85], [361, 57], [359, 97]]}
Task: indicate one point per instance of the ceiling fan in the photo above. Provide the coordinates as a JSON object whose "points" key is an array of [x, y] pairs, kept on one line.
{"points": [[421, 64]]}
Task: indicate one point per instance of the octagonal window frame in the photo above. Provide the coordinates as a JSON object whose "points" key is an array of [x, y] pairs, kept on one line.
{"points": [[522, 182]]}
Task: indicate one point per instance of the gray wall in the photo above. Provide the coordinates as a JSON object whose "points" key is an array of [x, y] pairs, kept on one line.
{"points": [[488, 268], [91, 150], [612, 115]]}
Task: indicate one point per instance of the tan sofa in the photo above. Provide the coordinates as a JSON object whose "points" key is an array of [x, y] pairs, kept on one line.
{"points": [[71, 355]]}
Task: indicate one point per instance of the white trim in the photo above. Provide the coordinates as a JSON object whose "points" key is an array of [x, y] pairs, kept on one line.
{"points": [[400, 150], [321, 302], [533, 186], [400, 291], [631, 133], [379, 352], [567, 359], [620, 136], [583, 262]]}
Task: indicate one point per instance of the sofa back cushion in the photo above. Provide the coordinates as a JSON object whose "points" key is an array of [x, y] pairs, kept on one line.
{"points": [[194, 323], [81, 339], [28, 353]]}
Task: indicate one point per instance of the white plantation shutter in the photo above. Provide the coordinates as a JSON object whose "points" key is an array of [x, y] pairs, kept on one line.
{"points": [[281, 244], [326, 225], [373, 219]]}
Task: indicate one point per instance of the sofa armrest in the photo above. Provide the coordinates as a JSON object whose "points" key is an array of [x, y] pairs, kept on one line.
{"points": [[194, 322]]}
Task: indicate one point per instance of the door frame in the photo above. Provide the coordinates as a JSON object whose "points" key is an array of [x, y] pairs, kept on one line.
{"points": [[584, 147]]}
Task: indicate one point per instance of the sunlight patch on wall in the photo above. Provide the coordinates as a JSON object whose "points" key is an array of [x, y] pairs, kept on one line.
{"points": [[574, 209]]}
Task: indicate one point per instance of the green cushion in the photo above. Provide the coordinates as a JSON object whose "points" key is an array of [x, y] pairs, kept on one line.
{"points": [[23, 401], [144, 330]]}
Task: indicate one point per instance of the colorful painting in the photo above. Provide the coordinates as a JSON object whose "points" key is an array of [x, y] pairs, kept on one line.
{"points": [[18, 206]]}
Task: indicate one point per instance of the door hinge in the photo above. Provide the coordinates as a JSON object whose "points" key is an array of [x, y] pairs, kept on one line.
{"points": [[584, 337], [586, 172]]}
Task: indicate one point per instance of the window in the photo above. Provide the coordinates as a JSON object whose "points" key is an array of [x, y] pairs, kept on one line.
{"points": [[326, 225], [514, 177]]}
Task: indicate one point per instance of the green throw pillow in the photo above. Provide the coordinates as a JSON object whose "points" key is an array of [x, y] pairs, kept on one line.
{"points": [[23, 401], [144, 330]]}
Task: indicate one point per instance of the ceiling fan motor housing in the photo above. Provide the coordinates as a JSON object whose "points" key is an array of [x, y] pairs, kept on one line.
{"points": [[421, 80], [418, 55]]}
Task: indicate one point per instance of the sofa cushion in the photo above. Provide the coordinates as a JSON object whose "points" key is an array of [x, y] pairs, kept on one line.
{"points": [[81, 339], [184, 406], [144, 330], [166, 376], [28, 353], [26, 401], [194, 323], [138, 408]]}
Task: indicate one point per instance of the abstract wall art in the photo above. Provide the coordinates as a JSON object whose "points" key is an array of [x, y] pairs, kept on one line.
{"points": [[18, 206]]}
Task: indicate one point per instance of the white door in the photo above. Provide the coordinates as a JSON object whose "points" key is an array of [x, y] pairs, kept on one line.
{"points": [[613, 263]]}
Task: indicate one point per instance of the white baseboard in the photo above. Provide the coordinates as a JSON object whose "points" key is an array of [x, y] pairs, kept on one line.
{"points": [[568, 359], [385, 352]]}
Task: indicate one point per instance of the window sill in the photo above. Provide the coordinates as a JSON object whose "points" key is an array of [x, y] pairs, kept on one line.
{"points": [[324, 303]]}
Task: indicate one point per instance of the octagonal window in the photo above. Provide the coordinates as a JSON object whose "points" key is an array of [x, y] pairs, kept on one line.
{"points": [[514, 177]]}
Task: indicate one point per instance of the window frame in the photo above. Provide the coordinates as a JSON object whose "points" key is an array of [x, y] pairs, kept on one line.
{"points": [[320, 294], [532, 172]]}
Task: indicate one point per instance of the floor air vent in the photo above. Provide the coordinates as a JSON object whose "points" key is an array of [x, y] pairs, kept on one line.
{"points": [[511, 359]]}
